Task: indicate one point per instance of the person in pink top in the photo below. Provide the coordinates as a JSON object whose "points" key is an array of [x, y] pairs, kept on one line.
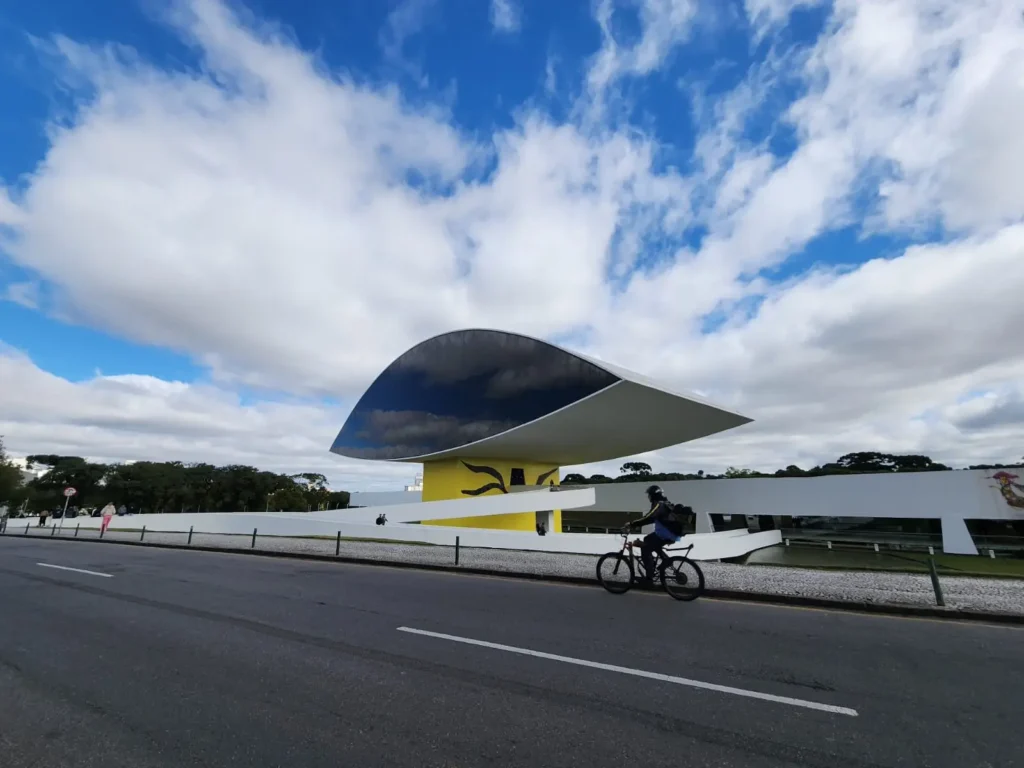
{"points": [[108, 513]]}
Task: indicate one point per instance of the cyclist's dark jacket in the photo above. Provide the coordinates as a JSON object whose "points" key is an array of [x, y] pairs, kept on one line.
{"points": [[662, 512]]}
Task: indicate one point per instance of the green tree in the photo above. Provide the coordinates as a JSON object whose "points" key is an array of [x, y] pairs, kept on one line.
{"points": [[638, 469], [314, 489], [791, 471], [338, 500], [913, 463], [47, 491], [737, 472], [288, 499], [171, 486], [312, 480], [12, 487], [874, 461]]}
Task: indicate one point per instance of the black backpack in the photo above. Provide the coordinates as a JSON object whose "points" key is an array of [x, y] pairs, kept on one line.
{"points": [[675, 517]]}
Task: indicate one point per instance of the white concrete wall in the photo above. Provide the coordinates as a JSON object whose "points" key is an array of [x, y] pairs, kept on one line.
{"points": [[950, 497], [503, 504], [384, 498], [713, 546], [947, 496], [970, 494]]}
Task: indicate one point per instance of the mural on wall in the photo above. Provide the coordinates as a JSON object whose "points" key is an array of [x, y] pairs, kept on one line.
{"points": [[1009, 489], [499, 485]]}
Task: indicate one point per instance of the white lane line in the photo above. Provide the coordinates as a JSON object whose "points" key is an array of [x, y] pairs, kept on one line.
{"points": [[76, 570], [640, 673]]}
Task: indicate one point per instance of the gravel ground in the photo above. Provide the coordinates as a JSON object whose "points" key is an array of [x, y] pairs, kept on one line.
{"points": [[1001, 595]]}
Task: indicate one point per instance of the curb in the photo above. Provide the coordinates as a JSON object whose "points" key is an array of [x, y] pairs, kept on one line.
{"points": [[913, 611]]}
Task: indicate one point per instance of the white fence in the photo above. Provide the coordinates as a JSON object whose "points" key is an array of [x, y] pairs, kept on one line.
{"points": [[357, 524]]}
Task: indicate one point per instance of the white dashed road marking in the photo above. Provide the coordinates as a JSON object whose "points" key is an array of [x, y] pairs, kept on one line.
{"points": [[640, 673], [76, 570]]}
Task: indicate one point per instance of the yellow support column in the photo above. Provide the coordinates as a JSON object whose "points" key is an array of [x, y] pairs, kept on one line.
{"points": [[472, 478]]}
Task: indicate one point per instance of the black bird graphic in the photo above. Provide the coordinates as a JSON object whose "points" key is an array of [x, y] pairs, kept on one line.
{"points": [[480, 469], [500, 485]]}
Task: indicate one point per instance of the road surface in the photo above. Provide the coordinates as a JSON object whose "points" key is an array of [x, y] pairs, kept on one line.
{"points": [[139, 658]]}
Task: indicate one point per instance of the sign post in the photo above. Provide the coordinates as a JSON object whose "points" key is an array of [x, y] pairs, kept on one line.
{"points": [[68, 493]]}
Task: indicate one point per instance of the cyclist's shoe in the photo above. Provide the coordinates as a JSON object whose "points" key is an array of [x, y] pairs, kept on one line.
{"points": [[645, 582]]}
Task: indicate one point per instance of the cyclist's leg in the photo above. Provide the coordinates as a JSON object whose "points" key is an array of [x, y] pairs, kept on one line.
{"points": [[651, 543]]}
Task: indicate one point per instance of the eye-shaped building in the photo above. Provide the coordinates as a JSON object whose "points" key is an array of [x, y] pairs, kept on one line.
{"points": [[488, 411]]}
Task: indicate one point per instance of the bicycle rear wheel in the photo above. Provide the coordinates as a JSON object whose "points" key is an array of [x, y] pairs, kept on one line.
{"points": [[683, 579], [615, 572]]}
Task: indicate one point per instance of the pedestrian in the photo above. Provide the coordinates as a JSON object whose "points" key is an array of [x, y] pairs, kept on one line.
{"points": [[108, 513], [42, 518], [4, 514]]}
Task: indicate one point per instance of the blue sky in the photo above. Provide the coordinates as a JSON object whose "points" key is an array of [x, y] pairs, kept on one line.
{"points": [[447, 45], [446, 53], [685, 187]]}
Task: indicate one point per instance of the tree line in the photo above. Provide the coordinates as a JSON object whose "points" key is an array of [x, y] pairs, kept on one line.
{"points": [[173, 486], [162, 486], [863, 462]]}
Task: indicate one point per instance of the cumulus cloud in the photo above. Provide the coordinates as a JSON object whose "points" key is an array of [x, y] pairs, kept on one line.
{"points": [[117, 418], [292, 228]]}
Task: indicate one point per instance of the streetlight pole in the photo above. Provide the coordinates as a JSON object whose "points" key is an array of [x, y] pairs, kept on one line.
{"points": [[68, 493], [60, 525]]}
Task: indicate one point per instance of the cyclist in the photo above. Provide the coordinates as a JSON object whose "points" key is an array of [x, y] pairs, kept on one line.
{"points": [[668, 529]]}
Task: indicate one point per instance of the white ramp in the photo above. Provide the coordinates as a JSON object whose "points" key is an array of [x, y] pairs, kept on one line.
{"points": [[504, 504]]}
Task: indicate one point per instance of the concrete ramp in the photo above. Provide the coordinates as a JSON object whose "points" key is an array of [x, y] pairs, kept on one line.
{"points": [[401, 527], [481, 506]]}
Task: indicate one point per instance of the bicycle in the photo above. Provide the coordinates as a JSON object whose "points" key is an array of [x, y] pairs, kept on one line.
{"points": [[681, 577]]}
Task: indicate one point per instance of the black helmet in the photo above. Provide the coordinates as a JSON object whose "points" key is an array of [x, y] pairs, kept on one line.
{"points": [[654, 493]]}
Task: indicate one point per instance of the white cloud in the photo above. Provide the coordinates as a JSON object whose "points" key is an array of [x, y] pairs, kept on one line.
{"points": [[877, 356], [25, 293], [506, 16], [10, 214], [405, 20], [256, 229], [932, 92], [766, 15], [664, 24], [116, 418], [293, 229]]}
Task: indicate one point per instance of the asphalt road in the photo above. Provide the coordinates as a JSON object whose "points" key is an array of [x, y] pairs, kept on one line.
{"points": [[174, 658]]}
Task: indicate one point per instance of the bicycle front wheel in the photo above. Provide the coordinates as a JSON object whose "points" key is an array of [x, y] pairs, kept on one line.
{"points": [[615, 572], [683, 579]]}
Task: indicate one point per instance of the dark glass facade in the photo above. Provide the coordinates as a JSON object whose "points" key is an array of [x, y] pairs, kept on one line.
{"points": [[462, 387]]}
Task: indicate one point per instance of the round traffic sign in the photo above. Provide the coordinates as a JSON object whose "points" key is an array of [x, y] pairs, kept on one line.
{"points": [[69, 492]]}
